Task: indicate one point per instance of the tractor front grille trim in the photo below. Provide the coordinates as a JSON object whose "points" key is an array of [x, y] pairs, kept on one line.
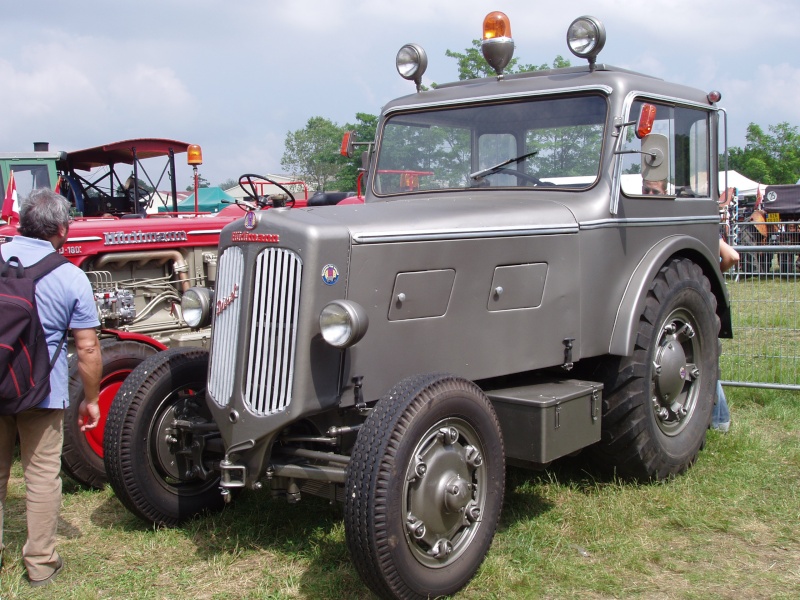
{"points": [[273, 332], [226, 325]]}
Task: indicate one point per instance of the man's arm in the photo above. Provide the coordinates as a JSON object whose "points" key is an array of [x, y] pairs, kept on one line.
{"points": [[727, 255], [90, 369]]}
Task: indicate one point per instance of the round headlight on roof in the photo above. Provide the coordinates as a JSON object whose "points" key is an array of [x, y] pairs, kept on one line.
{"points": [[412, 62], [343, 323], [196, 307], [586, 37]]}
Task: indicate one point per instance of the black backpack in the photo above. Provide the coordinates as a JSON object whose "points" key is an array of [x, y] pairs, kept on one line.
{"points": [[25, 363]]}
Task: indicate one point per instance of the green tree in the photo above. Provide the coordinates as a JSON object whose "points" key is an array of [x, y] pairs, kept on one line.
{"points": [[202, 182], [472, 65], [312, 153], [228, 184], [769, 158], [365, 127]]}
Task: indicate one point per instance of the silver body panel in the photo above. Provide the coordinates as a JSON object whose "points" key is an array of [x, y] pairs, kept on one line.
{"points": [[479, 283]]}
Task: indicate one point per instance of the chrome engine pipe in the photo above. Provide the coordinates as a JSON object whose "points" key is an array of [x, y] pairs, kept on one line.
{"points": [[179, 265]]}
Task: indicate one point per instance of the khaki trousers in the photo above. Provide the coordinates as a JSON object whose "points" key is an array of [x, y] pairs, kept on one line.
{"points": [[41, 435]]}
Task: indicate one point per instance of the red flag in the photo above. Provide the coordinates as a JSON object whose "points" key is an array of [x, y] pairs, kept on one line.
{"points": [[759, 197], [10, 203]]}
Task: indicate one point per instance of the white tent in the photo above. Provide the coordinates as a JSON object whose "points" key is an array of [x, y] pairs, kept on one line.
{"points": [[743, 185]]}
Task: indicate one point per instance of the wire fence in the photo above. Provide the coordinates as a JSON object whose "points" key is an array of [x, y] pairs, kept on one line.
{"points": [[765, 307]]}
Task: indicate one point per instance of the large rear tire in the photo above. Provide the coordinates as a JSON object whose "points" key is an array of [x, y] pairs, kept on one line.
{"points": [[658, 402], [424, 488], [82, 457], [141, 439]]}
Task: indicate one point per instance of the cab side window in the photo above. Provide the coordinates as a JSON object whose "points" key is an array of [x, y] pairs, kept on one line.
{"points": [[30, 177], [683, 135]]}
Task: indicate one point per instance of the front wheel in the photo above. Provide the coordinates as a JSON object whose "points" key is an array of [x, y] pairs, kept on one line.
{"points": [[156, 431], [658, 402], [424, 488], [82, 457]]}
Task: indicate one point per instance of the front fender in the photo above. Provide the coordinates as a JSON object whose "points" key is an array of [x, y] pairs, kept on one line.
{"points": [[134, 337], [632, 304]]}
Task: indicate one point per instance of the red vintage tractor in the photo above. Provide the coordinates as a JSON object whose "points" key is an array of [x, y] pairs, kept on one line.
{"points": [[139, 261]]}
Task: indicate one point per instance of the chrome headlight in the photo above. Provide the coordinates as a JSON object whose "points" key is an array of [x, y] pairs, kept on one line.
{"points": [[343, 323], [196, 307], [411, 63], [586, 37]]}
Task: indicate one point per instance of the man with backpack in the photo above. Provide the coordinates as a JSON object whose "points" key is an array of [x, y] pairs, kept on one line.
{"points": [[63, 300]]}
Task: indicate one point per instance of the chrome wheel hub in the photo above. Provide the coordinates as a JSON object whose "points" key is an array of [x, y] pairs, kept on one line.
{"points": [[675, 373], [444, 492]]}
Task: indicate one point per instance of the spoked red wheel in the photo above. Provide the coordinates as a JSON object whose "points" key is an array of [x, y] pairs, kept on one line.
{"points": [[82, 458]]}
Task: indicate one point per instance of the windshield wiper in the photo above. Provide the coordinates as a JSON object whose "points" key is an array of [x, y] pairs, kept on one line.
{"points": [[484, 172]]}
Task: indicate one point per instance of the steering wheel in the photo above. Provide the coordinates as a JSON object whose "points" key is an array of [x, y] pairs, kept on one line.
{"points": [[521, 175], [248, 183]]}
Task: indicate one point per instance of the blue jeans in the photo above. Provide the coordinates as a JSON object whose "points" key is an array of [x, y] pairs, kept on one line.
{"points": [[721, 413]]}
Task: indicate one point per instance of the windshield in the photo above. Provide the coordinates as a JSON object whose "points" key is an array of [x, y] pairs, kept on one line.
{"points": [[534, 144]]}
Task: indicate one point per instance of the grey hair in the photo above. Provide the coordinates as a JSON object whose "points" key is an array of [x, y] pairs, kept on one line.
{"points": [[42, 213]]}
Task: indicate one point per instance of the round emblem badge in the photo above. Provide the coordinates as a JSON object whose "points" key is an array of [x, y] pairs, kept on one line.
{"points": [[250, 220], [330, 274], [772, 196]]}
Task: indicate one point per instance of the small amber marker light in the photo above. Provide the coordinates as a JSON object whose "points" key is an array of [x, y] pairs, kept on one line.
{"points": [[496, 25], [194, 155], [646, 119]]}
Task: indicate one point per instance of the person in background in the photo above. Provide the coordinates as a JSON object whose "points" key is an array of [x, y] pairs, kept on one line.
{"points": [[721, 417], [654, 188], [728, 257], [64, 300]]}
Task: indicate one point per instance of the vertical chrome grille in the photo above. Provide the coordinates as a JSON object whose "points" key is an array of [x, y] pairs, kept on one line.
{"points": [[273, 332], [226, 325]]}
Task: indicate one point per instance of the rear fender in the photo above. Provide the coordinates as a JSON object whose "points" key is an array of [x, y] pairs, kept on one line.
{"points": [[632, 304]]}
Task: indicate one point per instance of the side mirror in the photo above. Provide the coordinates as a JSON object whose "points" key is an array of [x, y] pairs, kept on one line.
{"points": [[655, 157]]}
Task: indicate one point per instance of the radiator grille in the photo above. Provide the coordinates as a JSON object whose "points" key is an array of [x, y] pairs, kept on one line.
{"points": [[273, 332], [226, 325]]}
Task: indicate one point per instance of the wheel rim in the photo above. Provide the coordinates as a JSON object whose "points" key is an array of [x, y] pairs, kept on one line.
{"points": [[181, 404], [444, 492], [109, 386], [676, 372]]}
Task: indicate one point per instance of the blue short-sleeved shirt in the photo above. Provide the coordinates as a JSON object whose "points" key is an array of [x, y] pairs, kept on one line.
{"points": [[64, 299]]}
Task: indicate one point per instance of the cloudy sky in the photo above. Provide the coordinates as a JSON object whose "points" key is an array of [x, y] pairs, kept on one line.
{"points": [[235, 76]]}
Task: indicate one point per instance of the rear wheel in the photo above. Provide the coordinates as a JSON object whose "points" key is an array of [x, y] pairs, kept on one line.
{"points": [[159, 470], [658, 402], [424, 488], [82, 457]]}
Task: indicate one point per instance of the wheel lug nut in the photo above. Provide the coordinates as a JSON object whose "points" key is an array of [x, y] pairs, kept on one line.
{"points": [[415, 527], [473, 457], [442, 549]]}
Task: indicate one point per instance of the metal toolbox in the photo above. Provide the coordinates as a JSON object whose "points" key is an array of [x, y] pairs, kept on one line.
{"points": [[548, 420]]}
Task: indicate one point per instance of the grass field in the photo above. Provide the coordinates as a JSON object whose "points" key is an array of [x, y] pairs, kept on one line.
{"points": [[766, 343], [728, 528]]}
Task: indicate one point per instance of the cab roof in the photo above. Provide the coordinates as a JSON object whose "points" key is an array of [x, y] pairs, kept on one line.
{"points": [[607, 78], [123, 152]]}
